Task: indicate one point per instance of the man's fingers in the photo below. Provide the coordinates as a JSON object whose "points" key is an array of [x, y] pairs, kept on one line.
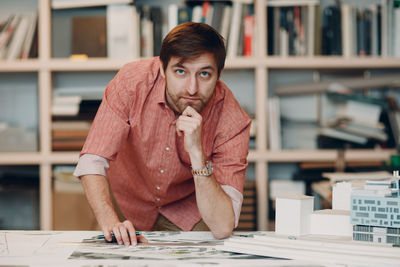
{"points": [[191, 112], [142, 239], [124, 235], [132, 232], [185, 126], [117, 234], [107, 235]]}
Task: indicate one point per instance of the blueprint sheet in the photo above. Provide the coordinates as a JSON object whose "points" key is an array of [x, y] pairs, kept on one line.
{"points": [[76, 248]]}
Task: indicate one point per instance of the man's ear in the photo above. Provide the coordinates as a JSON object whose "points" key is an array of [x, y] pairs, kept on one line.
{"points": [[162, 69]]}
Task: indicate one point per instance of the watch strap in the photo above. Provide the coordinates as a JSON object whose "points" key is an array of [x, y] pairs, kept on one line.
{"points": [[206, 171]]}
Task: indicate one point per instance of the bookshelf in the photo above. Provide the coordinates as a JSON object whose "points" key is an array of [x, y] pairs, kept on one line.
{"points": [[260, 64]]}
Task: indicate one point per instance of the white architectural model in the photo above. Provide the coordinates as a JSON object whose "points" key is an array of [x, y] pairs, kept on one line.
{"points": [[295, 214], [367, 213]]}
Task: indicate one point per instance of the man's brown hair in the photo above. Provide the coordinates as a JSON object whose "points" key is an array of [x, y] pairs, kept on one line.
{"points": [[190, 40]]}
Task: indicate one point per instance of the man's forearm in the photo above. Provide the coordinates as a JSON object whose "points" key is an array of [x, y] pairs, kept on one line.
{"points": [[98, 194], [215, 206]]}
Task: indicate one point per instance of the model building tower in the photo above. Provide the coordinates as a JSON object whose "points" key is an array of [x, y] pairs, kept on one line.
{"points": [[375, 212]]}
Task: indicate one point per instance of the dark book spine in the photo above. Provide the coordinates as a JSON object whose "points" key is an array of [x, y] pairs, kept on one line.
{"points": [[270, 32], [156, 18]]}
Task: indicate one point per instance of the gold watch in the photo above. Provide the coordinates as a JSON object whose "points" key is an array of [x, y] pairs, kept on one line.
{"points": [[206, 171]]}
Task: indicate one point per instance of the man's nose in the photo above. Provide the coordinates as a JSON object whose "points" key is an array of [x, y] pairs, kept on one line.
{"points": [[193, 86]]}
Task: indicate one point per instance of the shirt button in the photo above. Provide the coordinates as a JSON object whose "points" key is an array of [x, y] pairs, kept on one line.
{"points": [[158, 199], [158, 187], [167, 148], [162, 171]]}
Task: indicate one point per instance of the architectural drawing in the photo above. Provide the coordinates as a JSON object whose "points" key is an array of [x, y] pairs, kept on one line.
{"points": [[375, 211], [50, 248], [3, 245]]}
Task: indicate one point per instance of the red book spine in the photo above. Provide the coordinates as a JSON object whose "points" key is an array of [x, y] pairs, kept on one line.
{"points": [[248, 34]]}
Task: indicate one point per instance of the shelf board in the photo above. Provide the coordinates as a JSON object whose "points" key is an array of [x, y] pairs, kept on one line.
{"points": [[96, 64], [20, 158], [331, 62], [369, 155], [273, 62], [92, 64], [300, 155], [328, 155], [23, 65], [64, 157]]}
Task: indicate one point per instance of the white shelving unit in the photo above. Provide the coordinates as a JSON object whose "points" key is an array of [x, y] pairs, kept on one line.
{"points": [[260, 63]]}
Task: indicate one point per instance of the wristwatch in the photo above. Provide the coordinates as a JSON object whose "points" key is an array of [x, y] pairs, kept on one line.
{"points": [[206, 171]]}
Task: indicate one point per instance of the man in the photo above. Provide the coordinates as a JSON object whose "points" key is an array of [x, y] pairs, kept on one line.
{"points": [[170, 140]]}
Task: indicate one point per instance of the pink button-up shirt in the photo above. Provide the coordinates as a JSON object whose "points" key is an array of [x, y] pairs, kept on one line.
{"points": [[149, 170]]}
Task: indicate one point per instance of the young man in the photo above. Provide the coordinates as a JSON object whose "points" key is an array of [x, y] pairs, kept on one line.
{"points": [[170, 140]]}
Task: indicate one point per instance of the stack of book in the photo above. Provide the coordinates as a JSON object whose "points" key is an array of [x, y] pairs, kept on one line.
{"points": [[357, 123], [69, 135], [18, 36], [248, 218], [73, 110]]}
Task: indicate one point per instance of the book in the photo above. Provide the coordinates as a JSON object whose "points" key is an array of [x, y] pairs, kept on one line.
{"points": [[17, 41], [122, 31], [248, 219], [274, 126], [331, 31], [65, 105], [233, 41], [68, 125], [248, 34], [172, 16], [184, 14], [146, 33], [196, 13], [89, 36], [361, 129], [342, 135], [217, 15], [347, 33], [30, 36], [6, 33], [67, 144], [157, 19], [396, 31], [226, 20]]}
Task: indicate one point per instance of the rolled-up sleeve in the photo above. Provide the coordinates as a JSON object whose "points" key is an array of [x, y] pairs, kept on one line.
{"points": [[237, 200], [91, 164]]}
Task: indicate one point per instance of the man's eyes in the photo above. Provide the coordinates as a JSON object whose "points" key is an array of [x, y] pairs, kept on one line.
{"points": [[205, 74]]}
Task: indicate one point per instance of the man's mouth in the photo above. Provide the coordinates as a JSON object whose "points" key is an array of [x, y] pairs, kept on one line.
{"points": [[190, 99]]}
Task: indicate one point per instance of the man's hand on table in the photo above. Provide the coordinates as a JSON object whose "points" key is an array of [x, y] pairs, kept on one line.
{"points": [[124, 232]]}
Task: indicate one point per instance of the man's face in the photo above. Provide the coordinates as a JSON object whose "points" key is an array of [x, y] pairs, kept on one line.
{"points": [[190, 83]]}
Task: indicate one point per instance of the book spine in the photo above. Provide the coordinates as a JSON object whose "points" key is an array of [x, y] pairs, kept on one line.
{"points": [[248, 25]]}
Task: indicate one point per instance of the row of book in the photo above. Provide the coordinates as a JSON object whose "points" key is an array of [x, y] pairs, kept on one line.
{"points": [[288, 32], [18, 36], [115, 35], [346, 29], [350, 30]]}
